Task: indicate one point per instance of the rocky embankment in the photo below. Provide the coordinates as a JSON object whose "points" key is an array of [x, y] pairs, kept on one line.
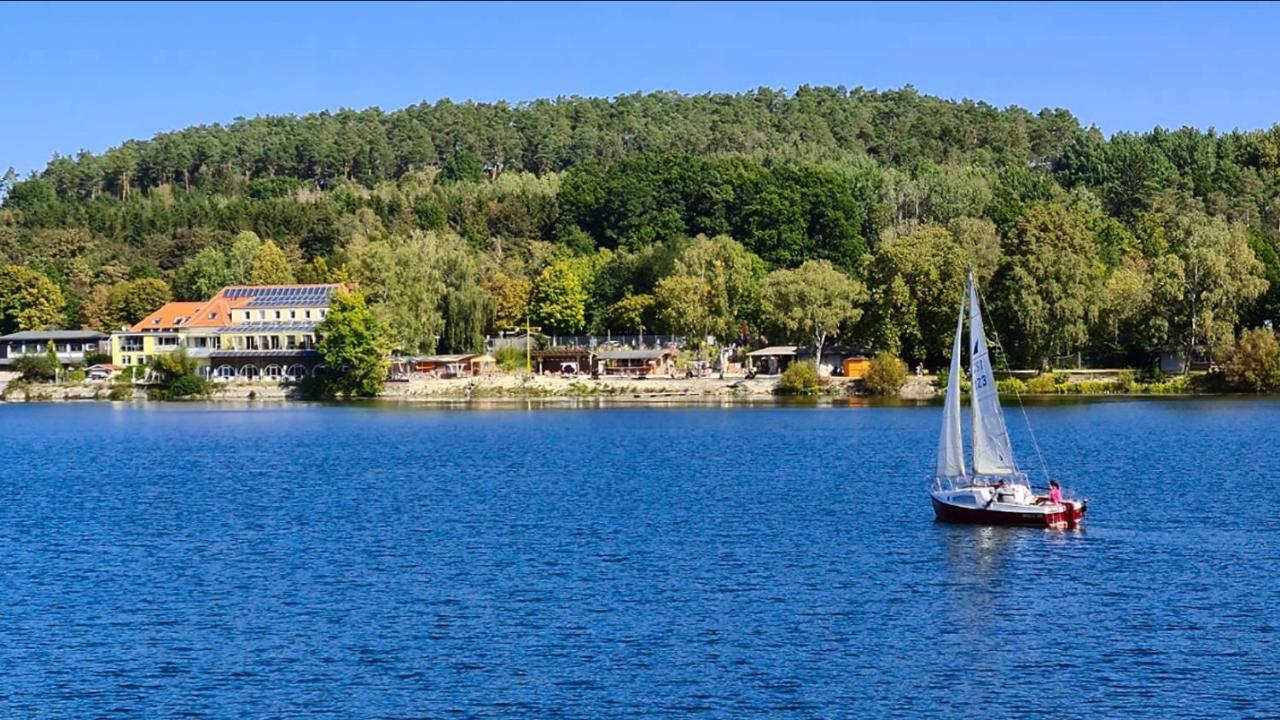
{"points": [[499, 387], [489, 388]]}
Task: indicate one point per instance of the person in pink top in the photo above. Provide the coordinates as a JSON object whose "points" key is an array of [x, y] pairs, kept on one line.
{"points": [[1055, 492]]}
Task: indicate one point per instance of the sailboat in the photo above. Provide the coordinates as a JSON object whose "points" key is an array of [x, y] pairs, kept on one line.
{"points": [[996, 492]]}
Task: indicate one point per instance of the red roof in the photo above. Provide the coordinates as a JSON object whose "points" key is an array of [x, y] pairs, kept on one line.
{"points": [[170, 316]]}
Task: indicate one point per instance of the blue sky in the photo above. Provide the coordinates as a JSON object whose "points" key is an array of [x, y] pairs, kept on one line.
{"points": [[89, 76]]}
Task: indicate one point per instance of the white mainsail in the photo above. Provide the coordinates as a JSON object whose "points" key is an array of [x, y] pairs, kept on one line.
{"points": [[951, 443], [992, 453]]}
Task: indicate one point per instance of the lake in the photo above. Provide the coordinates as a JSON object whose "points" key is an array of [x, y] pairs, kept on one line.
{"points": [[160, 561]]}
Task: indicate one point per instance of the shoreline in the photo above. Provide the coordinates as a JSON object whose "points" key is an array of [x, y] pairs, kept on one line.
{"points": [[558, 391]]}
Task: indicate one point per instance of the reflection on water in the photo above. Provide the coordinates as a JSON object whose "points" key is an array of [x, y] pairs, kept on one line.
{"points": [[532, 560]]}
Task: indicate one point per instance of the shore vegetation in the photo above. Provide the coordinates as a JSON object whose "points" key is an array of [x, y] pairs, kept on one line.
{"points": [[816, 216]]}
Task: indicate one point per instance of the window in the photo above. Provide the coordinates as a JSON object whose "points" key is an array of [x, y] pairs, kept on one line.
{"points": [[277, 314], [131, 344], [262, 314], [250, 343], [291, 342], [272, 372], [321, 312], [275, 342], [226, 371], [297, 372], [308, 314], [213, 316], [293, 314]]}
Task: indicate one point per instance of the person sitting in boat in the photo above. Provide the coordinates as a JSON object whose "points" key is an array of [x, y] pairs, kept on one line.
{"points": [[1054, 496]]}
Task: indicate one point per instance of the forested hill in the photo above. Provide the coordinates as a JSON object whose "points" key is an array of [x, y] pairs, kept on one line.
{"points": [[897, 128], [457, 219]]}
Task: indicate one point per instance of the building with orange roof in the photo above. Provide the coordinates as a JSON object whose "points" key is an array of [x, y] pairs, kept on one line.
{"points": [[247, 332]]}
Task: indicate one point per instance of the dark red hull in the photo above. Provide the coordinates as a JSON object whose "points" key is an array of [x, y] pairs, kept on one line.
{"points": [[1070, 518]]}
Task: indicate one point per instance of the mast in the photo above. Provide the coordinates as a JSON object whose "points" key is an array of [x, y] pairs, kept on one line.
{"points": [[951, 442], [992, 452]]}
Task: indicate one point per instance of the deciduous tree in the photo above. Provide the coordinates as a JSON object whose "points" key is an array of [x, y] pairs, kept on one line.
{"points": [[1255, 363], [354, 347], [814, 302], [269, 266], [1045, 294], [632, 312], [916, 283], [201, 277], [28, 300], [558, 302]]}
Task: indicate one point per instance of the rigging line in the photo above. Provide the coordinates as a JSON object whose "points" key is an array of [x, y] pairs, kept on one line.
{"points": [[1044, 467]]}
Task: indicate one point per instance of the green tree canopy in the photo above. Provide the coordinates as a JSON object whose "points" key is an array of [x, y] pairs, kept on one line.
{"points": [[462, 166], [1202, 285], [269, 266], [28, 300], [1255, 363], [240, 256], [511, 300], [201, 277], [713, 288], [110, 307], [558, 302], [354, 347], [632, 312], [1046, 292], [916, 282], [812, 303], [426, 289]]}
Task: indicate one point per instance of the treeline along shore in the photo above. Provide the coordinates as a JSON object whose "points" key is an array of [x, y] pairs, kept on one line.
{"points": [[816, 216]]}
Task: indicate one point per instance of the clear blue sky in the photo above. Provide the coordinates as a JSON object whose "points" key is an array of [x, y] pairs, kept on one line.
{"points": [[90, 76]]}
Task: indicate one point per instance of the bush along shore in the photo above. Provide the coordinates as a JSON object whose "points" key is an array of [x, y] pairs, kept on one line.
{"points": [[1106, 382]]}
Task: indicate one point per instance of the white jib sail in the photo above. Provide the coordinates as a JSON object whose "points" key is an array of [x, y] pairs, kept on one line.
{"points": [[992, 453], [951, 443]]}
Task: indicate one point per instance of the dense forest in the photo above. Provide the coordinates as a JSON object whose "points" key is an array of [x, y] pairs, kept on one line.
{"points": [[697, 215]]}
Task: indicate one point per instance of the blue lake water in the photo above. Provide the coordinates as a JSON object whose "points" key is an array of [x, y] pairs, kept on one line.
{"points": [[377, 562]]}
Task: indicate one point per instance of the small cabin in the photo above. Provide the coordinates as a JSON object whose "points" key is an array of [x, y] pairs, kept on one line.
{"points": [[449, 366], [635, 363], [562, 361], [772, 360]]}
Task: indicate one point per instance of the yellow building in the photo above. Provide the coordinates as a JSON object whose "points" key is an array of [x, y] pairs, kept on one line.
{"points": [[245, 332]]}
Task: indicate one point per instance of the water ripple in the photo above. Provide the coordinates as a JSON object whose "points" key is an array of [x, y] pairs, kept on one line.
{"points": [[342, 562]]}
